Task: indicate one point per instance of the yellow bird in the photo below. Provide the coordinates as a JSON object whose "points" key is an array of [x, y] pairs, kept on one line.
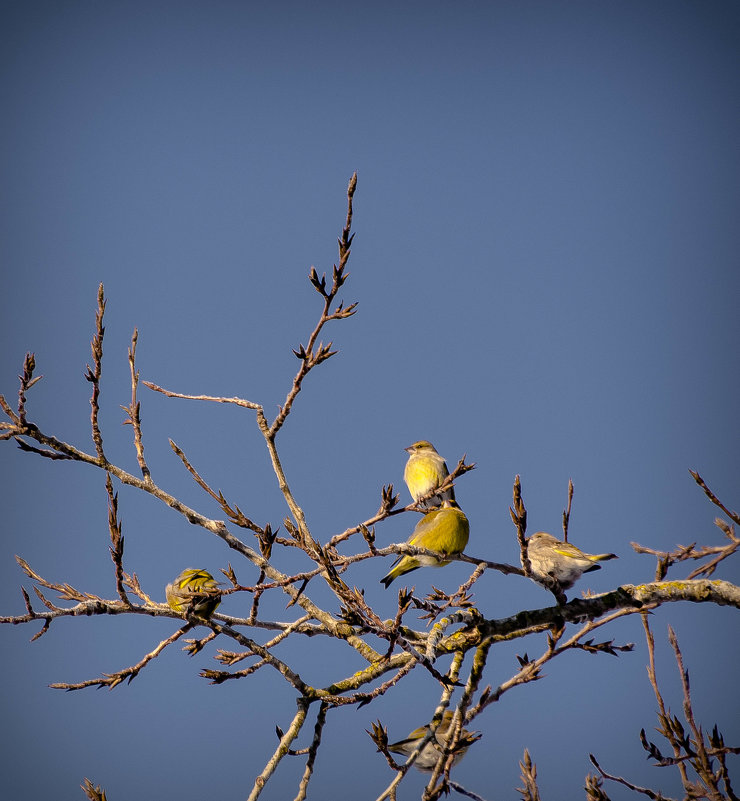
{"points": [[186, 591], [424, 472], [432, 751], [550, 557], [445, 530]]}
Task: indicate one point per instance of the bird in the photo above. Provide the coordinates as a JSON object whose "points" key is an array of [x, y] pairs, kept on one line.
{"points": [[551, 558], [186, 592], [424, 472], [445, 530], [432, 751]]}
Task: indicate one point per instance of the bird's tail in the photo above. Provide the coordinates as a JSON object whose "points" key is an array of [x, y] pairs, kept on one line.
{"points": [[405, 565], [387, 580], [598, 557]]}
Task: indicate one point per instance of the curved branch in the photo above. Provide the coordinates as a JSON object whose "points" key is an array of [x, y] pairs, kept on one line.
{"points": [[640, 597]]}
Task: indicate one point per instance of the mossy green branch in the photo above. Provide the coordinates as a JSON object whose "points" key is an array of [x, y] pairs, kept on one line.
{"points": [[638, 596]]}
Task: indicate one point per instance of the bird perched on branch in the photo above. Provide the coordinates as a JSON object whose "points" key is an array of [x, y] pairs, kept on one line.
{"points": [[424, 472], [186, 591], [554, 559], [445, 530], [433, 750]]}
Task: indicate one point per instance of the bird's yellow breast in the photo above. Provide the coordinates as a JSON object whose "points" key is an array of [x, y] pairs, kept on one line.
{"points": [[445, 530]]}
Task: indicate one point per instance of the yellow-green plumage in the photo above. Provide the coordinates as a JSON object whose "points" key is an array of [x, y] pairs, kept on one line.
{"points": [[424, 472], [432, 751], [186, 591], [445, 530]]}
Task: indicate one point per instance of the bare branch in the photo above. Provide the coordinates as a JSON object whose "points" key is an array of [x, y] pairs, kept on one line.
{"points": [[310, 355], [282, 749], [644, 790], [111, 680], [134, 410], [519, 517], [684, 552], [530, 791], [714, 499], [313, 749], [116, 537], [27, 381], [92, 792], [566, 511], [467, 793], [93, 373]]}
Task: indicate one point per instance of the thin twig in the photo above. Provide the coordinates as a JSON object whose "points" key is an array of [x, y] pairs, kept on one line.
{"points": [[27, 381], [236, 401], [634, 787], [116, 536], [312, 751], [700, 761], [518, 514], [93, 373], [312, 355], [530, 791], [112, 680], [282, 749], [134, 410], [663, 715], [93, 792], [566, 512], [468, 793], [713, 498]]}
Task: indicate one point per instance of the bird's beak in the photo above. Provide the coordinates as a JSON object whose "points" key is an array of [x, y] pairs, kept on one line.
{"points": [[409, 449]]}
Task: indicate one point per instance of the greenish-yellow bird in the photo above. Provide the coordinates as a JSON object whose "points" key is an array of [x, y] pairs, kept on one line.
{"points": [[445, 530], [554, 559], [187, 591], [432, 751], [424, 472]]}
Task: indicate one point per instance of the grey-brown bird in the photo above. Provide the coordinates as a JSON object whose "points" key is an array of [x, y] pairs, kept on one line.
{"points": [[554, 559]]}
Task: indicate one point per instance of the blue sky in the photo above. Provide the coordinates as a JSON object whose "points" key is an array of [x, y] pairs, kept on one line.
{"points": [[547, 274]]}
